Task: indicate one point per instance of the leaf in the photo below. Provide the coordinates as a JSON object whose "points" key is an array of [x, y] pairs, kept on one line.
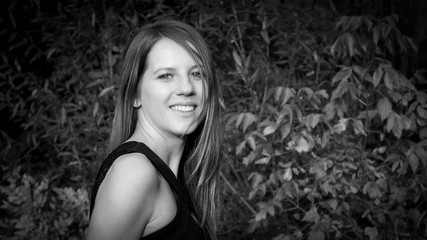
{"points": [[369, 114], [358, 127], [251, 142], [422, 154], [312, 120], [307, 90], [278, 93], [384, 108], [372, 190], [325, 138], [289, 189], [287, 176], [95, 82], [249, 158], [334, 48], [405, 122], [340, 90], [312, 215], [333, 203], [341, 126], [289, 93], [421, 97], [329, 110], [391, 78], [409, 41], [247, 63], [268, 206], [360, 71], [371, 232], [106, 90], [263, 160], [376, 34], [302, 145], [395, 96], [344, 74], [422, 112], [322, 93], [315, 56], [407, 98], [269, 130], [316, 235], [350, 44], [261, 215], [240, 147], [95, 109], [378, 75], [282, 236], [265, 37], [414, 215], [239, 119], [286, 111], [249, 118], [327, 188], [420, 78], [395, 124], [63, 116], [256, 179], [237, 58], [285, 130], [414, 162]]}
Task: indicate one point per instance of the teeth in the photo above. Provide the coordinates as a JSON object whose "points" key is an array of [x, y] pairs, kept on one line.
{"points": [[183, 108]]}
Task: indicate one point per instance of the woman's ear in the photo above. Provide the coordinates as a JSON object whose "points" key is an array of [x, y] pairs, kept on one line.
{"points": [[136, 103]]}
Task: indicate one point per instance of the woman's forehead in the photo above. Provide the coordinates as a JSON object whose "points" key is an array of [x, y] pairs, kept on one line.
{"points": [[169, 52]]}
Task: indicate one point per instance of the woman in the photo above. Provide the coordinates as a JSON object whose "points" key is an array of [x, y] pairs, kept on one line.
{"points": [[160, 179]]}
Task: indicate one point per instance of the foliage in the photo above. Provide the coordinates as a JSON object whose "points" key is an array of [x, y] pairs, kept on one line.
{"points": [[38, 210], [346, 157], [325, 120]]}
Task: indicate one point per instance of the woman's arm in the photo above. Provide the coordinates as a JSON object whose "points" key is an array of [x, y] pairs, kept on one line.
{"points": [[125, 200]]}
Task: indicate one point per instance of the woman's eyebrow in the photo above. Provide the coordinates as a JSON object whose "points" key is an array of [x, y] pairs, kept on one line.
{"points": [[172, 69], [194, 67], [168, 69]]}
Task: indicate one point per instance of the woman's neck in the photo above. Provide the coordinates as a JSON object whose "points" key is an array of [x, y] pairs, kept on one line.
{"points": [[169, 149]]}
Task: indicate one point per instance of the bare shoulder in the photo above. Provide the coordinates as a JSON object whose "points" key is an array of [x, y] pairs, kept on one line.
{"points": [[135, 167], [132, 174], [126, 198]]}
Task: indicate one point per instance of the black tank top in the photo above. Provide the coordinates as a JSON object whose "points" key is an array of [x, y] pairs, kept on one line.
{"points": [[183, 226]]}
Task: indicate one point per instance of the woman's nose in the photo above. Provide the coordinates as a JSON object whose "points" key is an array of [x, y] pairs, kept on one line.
{"points": [[185, 86]]}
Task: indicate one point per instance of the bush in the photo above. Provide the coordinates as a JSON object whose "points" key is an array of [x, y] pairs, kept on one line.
{"points": [[333, 157], [38, 210]]}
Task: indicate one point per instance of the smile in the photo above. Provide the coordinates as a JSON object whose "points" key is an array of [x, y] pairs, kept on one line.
{"points": [[182, 108]]}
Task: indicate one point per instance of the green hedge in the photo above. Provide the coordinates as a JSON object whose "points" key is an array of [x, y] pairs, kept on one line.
{"points": [[325, 120]]}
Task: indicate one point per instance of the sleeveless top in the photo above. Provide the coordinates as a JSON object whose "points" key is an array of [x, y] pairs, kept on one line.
{"points": [[183, 226]]}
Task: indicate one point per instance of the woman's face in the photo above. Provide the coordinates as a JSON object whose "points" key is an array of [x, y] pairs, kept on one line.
{"points": [[170, 91]]}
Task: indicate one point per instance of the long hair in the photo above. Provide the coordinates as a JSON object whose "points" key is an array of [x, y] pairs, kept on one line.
{"points": [[203, 147]]}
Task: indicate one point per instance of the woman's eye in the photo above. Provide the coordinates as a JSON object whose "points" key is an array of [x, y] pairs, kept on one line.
{"points": [[196, 75], [165, 76]]}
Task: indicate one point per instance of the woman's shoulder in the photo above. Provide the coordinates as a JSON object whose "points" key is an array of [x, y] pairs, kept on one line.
{"points": [[131, 182], [134, 169], [126, 198]]}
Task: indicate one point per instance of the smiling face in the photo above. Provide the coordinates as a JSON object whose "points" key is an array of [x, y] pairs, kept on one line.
{"points": [[170, 91]]}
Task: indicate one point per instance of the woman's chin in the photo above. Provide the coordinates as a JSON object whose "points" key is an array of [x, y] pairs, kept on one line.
{"points": [[185, 130]]}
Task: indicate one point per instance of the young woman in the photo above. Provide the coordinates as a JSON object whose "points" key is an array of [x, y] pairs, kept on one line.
{"points": [[160, 179]]}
